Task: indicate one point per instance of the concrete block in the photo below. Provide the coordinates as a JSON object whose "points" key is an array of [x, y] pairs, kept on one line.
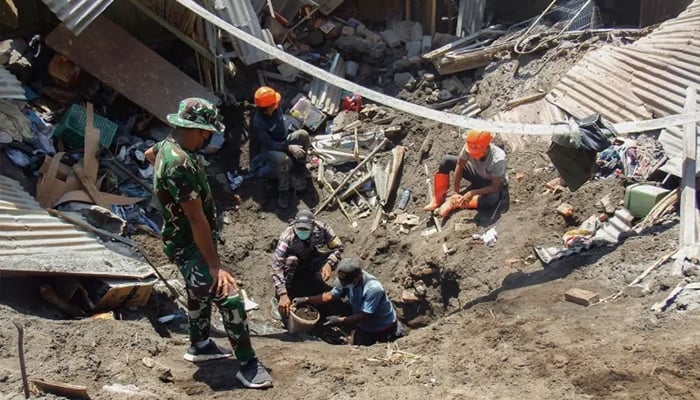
{"points": [[413, 48], [409, 296], [582, 297], [391, 38], [426, 43], [403, 29], [347, 31], [417, 32]]}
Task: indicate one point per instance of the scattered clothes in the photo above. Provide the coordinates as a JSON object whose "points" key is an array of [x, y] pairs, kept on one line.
{"points": [[18, 157], [131, 189], [135, 216], [235, 181], [621, 156]]}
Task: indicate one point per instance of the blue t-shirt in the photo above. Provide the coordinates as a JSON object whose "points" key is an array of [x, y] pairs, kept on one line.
{"points": [[369, 297]]}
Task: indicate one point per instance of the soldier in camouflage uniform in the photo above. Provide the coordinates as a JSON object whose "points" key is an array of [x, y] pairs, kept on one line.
{"points": [[190, 236]]}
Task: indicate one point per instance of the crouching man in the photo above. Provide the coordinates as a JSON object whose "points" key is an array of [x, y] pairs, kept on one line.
{"points": [[373, 318]]}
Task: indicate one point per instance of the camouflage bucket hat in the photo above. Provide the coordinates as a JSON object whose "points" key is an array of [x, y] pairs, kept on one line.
{"points": [[197, 113]]}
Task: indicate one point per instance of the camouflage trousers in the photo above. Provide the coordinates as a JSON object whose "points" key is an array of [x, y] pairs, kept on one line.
{"points": [[200, 296]]}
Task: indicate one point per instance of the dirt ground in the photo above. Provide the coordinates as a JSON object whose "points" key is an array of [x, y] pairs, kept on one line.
{"points": [[488, 327]]}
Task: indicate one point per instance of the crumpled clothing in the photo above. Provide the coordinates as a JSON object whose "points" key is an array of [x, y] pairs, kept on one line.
{"points": [[135, 215]]}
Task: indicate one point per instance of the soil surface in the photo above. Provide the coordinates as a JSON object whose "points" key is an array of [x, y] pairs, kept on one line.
{"points": [[491, 322]]}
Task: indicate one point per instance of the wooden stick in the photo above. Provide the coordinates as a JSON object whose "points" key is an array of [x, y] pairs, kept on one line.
{"points": [[22, 365], [340, 203], [661, 261], [350, 174]]}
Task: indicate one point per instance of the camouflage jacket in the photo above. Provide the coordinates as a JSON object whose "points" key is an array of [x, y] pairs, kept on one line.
{"points": [[178, 176], [290, 245]]}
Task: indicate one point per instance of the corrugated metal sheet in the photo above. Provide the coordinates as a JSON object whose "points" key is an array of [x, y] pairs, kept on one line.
{"points": [[535, 112], [77, 14], [32, 242], [325, 96], [470, 17], [645, 79], [241, 14], [10, 87]]}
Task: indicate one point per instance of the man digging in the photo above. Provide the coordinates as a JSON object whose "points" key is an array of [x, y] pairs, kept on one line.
{"points": [[189, 236]]}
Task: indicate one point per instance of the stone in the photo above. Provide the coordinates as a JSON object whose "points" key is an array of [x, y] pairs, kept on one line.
{"points": [[426, 43], [347, 31], [428, 77], [391, 38], [444, 95], [409, 296], [454, 85], [413, 48], [402, 78], [636, 291], [403, 29], [420, 289], [148, 362]]}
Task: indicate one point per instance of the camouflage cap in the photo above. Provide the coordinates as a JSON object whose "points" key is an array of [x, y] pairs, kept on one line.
{"points": [[197, 113]]}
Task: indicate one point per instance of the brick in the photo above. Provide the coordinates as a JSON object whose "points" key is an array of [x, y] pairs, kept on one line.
{"points": [[580, 296]]}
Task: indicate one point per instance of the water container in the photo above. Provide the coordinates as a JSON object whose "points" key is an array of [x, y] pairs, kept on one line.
{"points": [[641, 198]]}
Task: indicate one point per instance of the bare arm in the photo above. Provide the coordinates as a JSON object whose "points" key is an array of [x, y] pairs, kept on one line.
{"points": [[151, 155], [322, 298], [459, 169]]}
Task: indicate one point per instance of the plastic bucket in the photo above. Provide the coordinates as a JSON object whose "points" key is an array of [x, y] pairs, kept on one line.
{"points": [[301, 323]]}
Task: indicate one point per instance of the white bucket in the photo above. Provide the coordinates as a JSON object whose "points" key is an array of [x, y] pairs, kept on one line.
{"points": [[297, 324]]}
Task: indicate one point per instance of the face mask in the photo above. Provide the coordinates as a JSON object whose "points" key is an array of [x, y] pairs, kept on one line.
{"points": [[207, 141], [302, 234]]}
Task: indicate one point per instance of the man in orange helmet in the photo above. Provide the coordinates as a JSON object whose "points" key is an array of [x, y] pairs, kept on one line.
{"points": [[274, 151], [480, 162]]}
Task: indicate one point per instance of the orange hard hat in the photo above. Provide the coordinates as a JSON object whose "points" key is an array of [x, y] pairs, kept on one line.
{"points": [[266, 96], [478, 143]]}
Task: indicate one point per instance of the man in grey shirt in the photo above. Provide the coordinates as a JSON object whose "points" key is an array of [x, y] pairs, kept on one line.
{"points": [[480, 162]]}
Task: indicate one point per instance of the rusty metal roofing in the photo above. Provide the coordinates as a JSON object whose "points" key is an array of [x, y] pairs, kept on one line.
{"points": [[635, 82], [10, 87], [77, 14], [241, 14], [32, 242]]}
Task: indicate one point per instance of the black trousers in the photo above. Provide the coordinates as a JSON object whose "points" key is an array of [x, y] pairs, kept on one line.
{"points": [[365, 338], [449, 163]]}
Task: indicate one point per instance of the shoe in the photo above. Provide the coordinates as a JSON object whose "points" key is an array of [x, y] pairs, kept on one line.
{"points": [[441, 184], [209, 352], [283, 198], [254, 375]]}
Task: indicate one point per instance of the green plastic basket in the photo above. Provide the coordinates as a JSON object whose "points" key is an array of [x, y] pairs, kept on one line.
{"points": [[72, 128]]}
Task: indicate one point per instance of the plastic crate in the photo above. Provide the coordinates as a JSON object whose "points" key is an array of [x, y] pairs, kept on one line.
{"points": [[72, 128]]}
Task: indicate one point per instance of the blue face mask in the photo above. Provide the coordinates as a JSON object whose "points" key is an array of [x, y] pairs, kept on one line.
{"points": [[302, 234]]}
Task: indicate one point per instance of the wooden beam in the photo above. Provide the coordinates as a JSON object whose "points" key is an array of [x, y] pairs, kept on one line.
{"points": [[689, 211]]}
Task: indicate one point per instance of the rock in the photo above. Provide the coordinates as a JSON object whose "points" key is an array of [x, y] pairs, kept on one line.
{"points": [[347, 31], [444, 95], [148, 362], [426, 43], [636, 291], [420, 289], [474, 89], [402, 78], [391, 38], [409, 296], [428, 77], [483, 102], [413, 48], [454, 85], [512, 262]]}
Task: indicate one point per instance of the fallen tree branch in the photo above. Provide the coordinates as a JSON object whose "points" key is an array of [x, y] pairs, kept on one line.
{"points": [[22, 365]]}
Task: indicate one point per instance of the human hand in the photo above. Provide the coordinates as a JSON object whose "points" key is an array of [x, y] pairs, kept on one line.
{"points": [[332, 320], [284, 304], [326, 272], [297, 151], [223, 282], [297, 301], [467, 196]]}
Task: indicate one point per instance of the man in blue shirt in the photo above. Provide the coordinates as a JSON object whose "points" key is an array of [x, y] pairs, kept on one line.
{"points": [[373, 315], [274, 152]]}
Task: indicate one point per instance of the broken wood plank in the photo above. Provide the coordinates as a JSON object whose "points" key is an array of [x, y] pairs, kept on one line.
{"points": [[91, 145], [580, 296], [689, 212], [397, 156], [665, 303], [453, 63], [89, 186], [61, 389], [661, 261], [524, 99], [376, 150]]}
